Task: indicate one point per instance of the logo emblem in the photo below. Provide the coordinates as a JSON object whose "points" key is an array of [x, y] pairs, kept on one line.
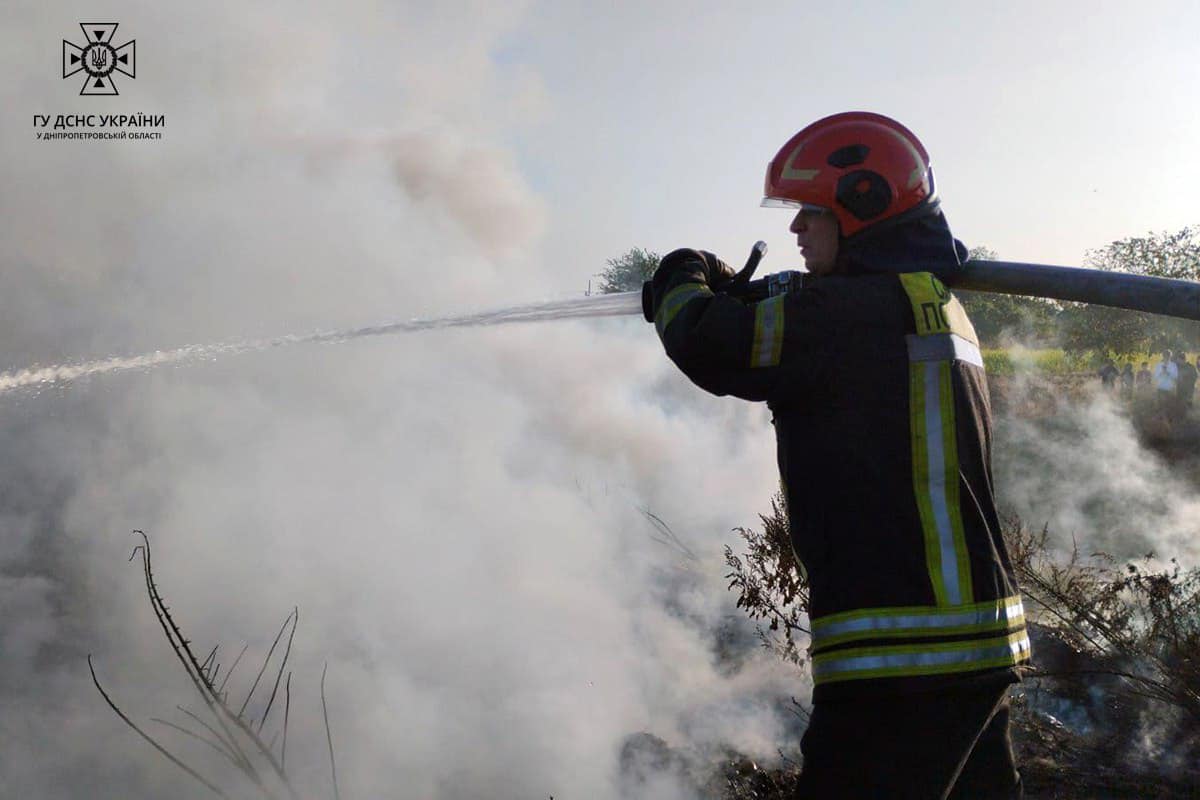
{"points": [[98, 59]]}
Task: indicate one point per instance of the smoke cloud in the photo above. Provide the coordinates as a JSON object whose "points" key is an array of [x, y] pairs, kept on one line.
{"points": [[1074, 462], [457, 514]]}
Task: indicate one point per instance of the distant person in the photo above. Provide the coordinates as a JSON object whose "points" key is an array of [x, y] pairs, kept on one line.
{"points": [[1166, 382], [1127, 381], [1143, 380], [1108, 374], [1187, 383]]}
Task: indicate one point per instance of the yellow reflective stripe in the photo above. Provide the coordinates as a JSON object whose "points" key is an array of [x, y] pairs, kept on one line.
{"points": [[920, 470], [938, 315], [768, 333], [889, 612], [951, 485], [675, 300], [895, 661], [935, 481], [935, 309], [914, 621]]}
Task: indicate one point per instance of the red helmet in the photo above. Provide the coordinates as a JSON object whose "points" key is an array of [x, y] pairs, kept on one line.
{"points": [[864, 167]]}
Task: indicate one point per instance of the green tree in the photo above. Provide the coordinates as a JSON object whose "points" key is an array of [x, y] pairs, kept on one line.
{"points": [[1100, 329], [994, 315], [1165, 255], [627, 272]]}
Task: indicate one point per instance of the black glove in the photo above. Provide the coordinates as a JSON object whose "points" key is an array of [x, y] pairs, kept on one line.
{"points": [[684, 266], [719, 273], [703, 267]]}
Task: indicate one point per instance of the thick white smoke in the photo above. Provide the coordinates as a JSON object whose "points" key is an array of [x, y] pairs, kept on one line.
{"points": [[456, 513], [1078, 466]]}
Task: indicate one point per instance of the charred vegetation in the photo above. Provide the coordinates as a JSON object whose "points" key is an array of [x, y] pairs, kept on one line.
{"points": [[246, 740]]}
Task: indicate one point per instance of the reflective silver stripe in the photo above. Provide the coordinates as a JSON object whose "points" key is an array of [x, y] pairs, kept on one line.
{"points": [[920, 622], [937, 481], [877, 662], [768, 333], [942, 347]]}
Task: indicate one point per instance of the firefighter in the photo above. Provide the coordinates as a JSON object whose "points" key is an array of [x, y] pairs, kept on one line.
{"points": [[875, 381]]}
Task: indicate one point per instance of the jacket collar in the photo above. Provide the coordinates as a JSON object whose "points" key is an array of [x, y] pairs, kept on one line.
{"points": [[918, 240]]}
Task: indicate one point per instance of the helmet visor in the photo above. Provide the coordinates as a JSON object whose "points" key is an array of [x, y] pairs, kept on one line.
{"points": [[795, 205]]}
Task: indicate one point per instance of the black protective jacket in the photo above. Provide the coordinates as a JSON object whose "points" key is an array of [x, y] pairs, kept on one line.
{"points": [[884, 431]]}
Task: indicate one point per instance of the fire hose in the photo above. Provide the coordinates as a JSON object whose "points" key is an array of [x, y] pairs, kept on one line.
{"points": [[1165, 296]]}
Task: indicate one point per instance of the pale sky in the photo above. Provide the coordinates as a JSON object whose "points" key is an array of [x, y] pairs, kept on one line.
{"points": [[459, 514], [1053, 127]]}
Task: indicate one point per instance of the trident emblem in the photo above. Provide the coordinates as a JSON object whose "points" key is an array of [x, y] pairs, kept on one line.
{"points": [[99, 59]]}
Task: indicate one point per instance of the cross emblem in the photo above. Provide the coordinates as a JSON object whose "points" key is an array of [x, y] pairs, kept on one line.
{"points": [[98, 58]]}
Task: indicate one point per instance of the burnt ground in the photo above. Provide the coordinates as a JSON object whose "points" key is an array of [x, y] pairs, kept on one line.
{"points": [[1056, 764]]}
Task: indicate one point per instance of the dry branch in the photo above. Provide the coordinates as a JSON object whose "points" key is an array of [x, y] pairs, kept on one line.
{"points": [[232, 735]]}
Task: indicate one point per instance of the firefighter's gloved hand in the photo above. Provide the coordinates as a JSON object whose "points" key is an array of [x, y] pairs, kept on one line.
{"points": [[688, 266], [717, 271], [701, 266]]}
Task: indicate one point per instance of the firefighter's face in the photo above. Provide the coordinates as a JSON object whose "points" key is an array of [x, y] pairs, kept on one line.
{"points": [[817, 235]]}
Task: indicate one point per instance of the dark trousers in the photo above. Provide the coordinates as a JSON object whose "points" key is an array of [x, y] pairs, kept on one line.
{"points": [[945, 745]]}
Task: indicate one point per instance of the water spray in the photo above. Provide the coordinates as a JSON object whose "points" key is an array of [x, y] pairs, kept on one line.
{"points": [[623, 304]]}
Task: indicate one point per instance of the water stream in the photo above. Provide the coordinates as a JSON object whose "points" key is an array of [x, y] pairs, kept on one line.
{"points": [[604, 305]]}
